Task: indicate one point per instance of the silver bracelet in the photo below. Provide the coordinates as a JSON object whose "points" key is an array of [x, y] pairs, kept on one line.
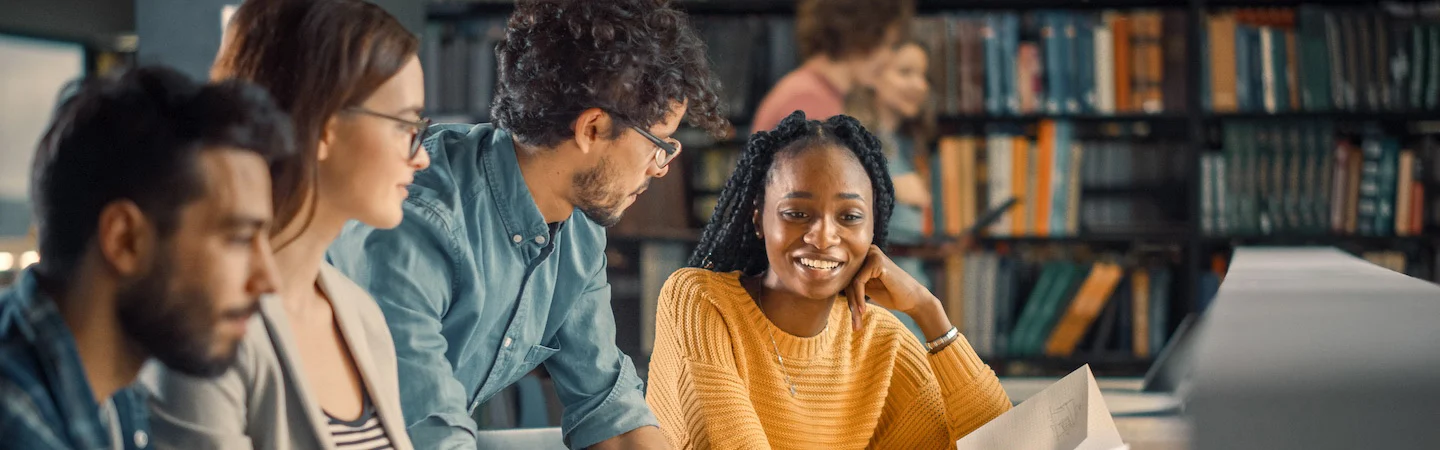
{"points": [[944, 340]]}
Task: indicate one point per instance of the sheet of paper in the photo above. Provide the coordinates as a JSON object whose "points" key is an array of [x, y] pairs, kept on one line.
{"points": [[1068, 415]]}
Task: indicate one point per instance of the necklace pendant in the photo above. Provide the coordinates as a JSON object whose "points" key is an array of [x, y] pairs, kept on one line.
{"points": [[792, 391]]}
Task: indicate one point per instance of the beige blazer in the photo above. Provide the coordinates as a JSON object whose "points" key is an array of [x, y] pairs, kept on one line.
{"points": [[262, 402]]}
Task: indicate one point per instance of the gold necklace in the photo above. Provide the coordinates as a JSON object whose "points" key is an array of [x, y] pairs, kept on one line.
{"points": [[759, 300]]}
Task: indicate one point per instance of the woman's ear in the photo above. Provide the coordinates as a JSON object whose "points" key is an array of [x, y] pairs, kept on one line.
{"points": [[327, 137], [755, 220]]}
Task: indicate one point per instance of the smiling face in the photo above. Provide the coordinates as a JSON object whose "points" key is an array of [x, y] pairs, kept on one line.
{"points": [[902, 86], [817, 220]]}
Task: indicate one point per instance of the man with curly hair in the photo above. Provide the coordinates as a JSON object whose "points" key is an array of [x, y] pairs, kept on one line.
{"points": [[491, 272], [844, 44]]}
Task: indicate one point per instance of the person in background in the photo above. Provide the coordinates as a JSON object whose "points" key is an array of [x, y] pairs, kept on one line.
{"points": [[319, 371], [844, 44], [152, 202], [500, 265], [897, 109], [756, 348]]}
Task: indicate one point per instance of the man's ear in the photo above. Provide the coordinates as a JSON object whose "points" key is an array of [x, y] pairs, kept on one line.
{"points": [[592, 126], [125, 238]]}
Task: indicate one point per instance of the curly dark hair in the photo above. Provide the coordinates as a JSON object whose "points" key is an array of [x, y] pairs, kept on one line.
{"points": [[631, 58], [138, 136], [729, 242], [844, 28]]}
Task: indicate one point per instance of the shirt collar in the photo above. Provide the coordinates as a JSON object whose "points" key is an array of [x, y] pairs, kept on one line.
{"points": [[514, 203], [40, 324]]}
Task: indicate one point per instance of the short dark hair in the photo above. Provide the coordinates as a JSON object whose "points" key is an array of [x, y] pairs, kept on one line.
{"points": [[137, 136], [316, 58], [729, 242], [843, 28], [631, 58]]}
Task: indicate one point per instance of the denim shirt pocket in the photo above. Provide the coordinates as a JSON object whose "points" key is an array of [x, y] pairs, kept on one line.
{"points": [[538, 354]]}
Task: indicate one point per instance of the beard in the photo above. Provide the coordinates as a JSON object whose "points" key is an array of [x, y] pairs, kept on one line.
{"points": [[596, 198], [175, 326]]}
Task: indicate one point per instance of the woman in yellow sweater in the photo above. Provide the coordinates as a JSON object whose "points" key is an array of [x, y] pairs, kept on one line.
{"points": [[756, 345]]}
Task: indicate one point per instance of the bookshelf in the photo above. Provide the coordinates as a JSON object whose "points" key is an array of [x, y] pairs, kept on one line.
{"points": [[1174, 234]]}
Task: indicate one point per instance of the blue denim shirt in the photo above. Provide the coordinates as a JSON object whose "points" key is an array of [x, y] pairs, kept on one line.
{"points": [[45, 399], [478, 290]]}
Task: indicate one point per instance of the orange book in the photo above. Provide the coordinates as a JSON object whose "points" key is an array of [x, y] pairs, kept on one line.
{"points": [[1091, 298], [1140, 299], [1352, 200], [1153, 99], [1223, 97], [927, 213], [1120, 32], [1019, 180], [1403, 192], [1042, 198], [970, 179], [954, 288], [950, 180]]}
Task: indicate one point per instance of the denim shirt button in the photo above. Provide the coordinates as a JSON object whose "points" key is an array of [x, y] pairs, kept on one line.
{"points": [[141, 439], [540, 240], [507, 343], [517, 238]]}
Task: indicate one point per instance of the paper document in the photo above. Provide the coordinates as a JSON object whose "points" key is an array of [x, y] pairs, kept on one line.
{"points": [[1068, 415]]}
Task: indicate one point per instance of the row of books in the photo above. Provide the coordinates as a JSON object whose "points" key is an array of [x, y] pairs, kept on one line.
{"points": [[1014, 307], [1319, 59], [1057, 62], [1299, 177], [1049, 176]]}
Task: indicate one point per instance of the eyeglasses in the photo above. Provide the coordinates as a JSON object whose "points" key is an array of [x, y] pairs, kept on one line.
{"points": [[421, 127], [667, 150]]}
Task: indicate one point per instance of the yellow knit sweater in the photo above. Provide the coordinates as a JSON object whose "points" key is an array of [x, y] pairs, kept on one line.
{"points": [[715, 381]]}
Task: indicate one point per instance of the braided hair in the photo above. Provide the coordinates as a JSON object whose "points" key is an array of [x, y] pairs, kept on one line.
{"points": [[729, 242]]}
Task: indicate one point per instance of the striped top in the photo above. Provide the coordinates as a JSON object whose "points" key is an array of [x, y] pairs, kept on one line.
{"points": [[363, 433]]}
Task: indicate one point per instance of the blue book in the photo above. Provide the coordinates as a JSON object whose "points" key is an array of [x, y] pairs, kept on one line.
{"points": [[1070, 24], [1278, 55], [1085, 59], [1159, 307], [1243, 69], [1051, 30], [994, 65], [1209, 286]]}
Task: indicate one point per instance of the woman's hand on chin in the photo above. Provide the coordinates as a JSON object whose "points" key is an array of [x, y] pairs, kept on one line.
{"points": [[890, 287]]}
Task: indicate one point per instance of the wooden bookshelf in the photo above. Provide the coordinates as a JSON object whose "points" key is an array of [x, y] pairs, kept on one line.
{"points": [[1192, 129]]}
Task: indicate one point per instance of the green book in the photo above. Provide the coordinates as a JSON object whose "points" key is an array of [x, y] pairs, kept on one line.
{"points": [[1049, 273], [1388, 178], [1314, 59], [1057, 301]]}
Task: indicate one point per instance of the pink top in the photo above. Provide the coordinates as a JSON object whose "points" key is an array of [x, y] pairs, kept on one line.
{"points": [[805, 90]]}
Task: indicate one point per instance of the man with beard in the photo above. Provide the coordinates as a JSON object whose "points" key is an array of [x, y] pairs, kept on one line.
{"points": [[152, 200], [491, 273]]}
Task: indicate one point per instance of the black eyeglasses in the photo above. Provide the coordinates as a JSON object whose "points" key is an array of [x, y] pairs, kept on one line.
{"points": [[421, 127], [667, 150]]}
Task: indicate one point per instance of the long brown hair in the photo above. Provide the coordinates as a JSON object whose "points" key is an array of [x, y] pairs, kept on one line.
{"points": [[862, 104], [316, 57]]}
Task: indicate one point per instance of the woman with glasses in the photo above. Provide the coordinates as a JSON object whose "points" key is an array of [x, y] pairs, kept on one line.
{"points": [[317, 368]]}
